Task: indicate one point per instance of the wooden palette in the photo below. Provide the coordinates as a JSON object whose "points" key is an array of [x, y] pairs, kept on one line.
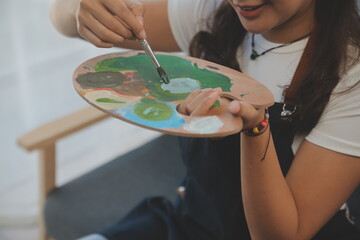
{"points": [[127, 86]]}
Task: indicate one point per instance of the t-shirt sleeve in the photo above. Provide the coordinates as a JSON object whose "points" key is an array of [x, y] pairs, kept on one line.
{"points": [[338, 128], [187, 17]]}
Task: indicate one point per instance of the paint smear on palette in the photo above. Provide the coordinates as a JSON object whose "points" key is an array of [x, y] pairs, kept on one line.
{"points": [[216, 104], [107, 99], [126, 82], [100, 79], [182, 72], [204, 125], [154, 114]]}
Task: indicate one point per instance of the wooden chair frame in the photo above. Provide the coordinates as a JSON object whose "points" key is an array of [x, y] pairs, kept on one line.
{"points": [[44, 139]]}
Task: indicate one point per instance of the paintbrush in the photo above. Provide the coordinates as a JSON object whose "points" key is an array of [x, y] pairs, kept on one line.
{"points": [[145, 45]]}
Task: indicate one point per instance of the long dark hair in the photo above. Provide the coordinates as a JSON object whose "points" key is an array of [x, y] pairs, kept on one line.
{"points": [[338, 27]]}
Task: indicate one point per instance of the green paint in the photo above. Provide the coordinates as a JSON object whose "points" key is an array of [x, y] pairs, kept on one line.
{"points": [[175, 67], [100, 79], [216, 104], [108, 100], [153, 110], [112, 65], [256, 90]]}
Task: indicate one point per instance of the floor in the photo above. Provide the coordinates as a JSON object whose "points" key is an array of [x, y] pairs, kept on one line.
{"points": [[36, 66]]}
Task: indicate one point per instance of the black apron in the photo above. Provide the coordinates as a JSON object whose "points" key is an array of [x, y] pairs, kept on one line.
{"points": [[212, 208]]}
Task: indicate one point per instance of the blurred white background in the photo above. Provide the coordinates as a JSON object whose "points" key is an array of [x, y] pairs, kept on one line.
{"points": [[36, 66]]}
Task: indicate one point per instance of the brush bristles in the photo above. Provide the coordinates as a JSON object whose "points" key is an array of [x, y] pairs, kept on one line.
{"points": [[163, 75]]}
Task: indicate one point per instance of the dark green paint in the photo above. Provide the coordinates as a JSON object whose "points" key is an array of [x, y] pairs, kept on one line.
{"points": [[103, 79]]}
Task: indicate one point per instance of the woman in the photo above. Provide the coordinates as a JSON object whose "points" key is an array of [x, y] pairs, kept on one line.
{"points": [[294, 174]]}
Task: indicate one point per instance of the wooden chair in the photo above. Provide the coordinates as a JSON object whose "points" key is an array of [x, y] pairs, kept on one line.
{"points": [[102, 196]]}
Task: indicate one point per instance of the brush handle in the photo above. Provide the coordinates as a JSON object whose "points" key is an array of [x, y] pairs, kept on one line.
{"points": [[145, 45]]}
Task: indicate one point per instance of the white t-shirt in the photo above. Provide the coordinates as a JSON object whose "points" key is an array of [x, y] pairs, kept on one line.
{"points": [[338, 128]]}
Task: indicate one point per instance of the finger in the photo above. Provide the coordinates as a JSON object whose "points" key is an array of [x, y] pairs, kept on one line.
{"points": [[103, 32], [204, 106], [113, 23], [219, 90], [97, 18], [182, 107], [131, 13], [197, 100], [88, 35]]}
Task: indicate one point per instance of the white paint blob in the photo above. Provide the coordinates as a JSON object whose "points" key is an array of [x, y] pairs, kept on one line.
{"points": [[204, 125], [181, 85]]}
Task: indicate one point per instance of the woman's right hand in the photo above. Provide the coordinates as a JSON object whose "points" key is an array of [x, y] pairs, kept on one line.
{"points": [[106, 23]]}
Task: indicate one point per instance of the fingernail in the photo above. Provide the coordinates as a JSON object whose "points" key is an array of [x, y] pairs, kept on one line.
{"points": [[218, 89], [140, 19], [205, 89], [213, 95], [142, 34]]}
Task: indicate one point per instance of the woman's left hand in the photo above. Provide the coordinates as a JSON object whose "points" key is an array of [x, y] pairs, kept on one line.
{"points": [[201, 101], [250, 115]]}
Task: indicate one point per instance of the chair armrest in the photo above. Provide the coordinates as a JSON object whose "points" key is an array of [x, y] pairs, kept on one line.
{"points": [[44, 139], [62, 127]]}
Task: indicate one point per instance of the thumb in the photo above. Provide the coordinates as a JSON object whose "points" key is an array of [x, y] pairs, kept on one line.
{"points": [[138, 10], [247, 112], [242, 109]]}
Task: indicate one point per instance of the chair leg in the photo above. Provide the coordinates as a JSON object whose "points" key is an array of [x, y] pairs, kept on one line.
{"points": [[47, 178]]}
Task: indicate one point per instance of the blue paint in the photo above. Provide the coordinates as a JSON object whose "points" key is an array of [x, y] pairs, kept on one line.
{"points": [[176, 121]]}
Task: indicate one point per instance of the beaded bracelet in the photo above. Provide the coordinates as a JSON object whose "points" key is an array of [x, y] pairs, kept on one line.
{"points": [[260, 128]]}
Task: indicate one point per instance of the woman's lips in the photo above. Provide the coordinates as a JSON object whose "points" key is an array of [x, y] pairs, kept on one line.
{"points": [[250, 11]]}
